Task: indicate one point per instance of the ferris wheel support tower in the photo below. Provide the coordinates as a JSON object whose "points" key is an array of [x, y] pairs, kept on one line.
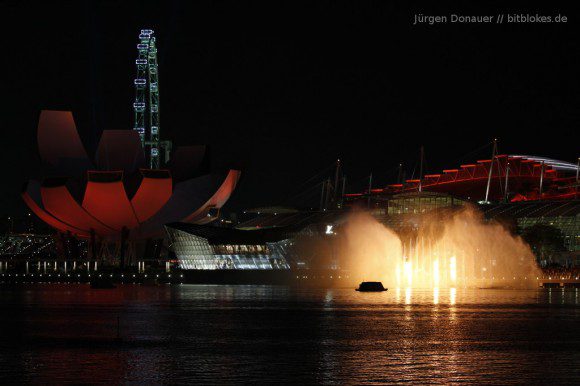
{"points": [[146, 105]]}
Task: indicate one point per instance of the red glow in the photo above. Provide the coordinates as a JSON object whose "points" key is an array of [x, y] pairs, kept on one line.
{"points": [[470, 180], [218, 199], [50, 220], [108, 202], [60, 203], [153, 193], [58, 137]]}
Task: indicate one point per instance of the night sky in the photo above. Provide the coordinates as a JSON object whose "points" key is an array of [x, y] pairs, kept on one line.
{"points": [[281, 90]]}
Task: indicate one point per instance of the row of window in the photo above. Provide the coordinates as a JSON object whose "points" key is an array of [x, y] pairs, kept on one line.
{"points": [[242, 262], [233, 248]]}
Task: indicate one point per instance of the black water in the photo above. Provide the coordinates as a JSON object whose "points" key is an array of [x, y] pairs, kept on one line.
{"points": [[232, 334]]}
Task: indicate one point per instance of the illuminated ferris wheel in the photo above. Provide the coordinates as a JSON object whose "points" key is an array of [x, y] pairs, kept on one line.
{"points": [[146, 105]]}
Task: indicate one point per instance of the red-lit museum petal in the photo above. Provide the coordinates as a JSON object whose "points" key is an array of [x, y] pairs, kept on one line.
{"points": [[189, 197], [120, 150], [32, 198], [218, 199], [153, 193], [58, 137], [58, 201], [106, 200]]}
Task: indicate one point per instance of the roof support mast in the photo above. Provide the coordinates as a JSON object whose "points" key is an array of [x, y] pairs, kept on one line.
{"points": [[542, 180], [336, 191], [343, 189], [370, 190], [493, 155], [421, 169], [577, 174], [507, 176], [322, 195]]}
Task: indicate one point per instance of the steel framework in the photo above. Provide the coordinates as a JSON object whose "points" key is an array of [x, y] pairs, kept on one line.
{"points": [[146, 105], [504, 176]]}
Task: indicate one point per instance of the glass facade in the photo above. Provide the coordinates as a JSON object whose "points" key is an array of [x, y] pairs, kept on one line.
{"points": [[563, 215], [195, 252], [420, 203], [568, 225]]}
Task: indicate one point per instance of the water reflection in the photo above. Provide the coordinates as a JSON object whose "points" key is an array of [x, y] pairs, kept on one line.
{"points": [[417, 296], [246, 334]]}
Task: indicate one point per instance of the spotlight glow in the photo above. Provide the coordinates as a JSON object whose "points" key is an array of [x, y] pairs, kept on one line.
{"points": [[446, 251], [453, 269], [409, 273]]}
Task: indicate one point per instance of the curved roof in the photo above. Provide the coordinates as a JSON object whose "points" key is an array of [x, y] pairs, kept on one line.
{"points": [[218, 235], [219, 198], [555, 164], [485, 179], [192, 199]]}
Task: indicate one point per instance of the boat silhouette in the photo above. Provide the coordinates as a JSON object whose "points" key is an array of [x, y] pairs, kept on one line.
{"points": [[371, 286]]}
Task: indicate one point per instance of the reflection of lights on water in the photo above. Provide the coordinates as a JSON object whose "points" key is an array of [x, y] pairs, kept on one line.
{"points": [[329, 297], [436, 295], [398, 275], [452, 296], [453, 268], [398, 294]]}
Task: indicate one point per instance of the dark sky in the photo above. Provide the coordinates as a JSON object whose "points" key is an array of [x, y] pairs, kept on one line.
{"points": [[281, 89]]}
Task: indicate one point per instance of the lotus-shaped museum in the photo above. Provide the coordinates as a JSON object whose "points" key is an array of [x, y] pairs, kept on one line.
{"points": [[116, 194]]}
